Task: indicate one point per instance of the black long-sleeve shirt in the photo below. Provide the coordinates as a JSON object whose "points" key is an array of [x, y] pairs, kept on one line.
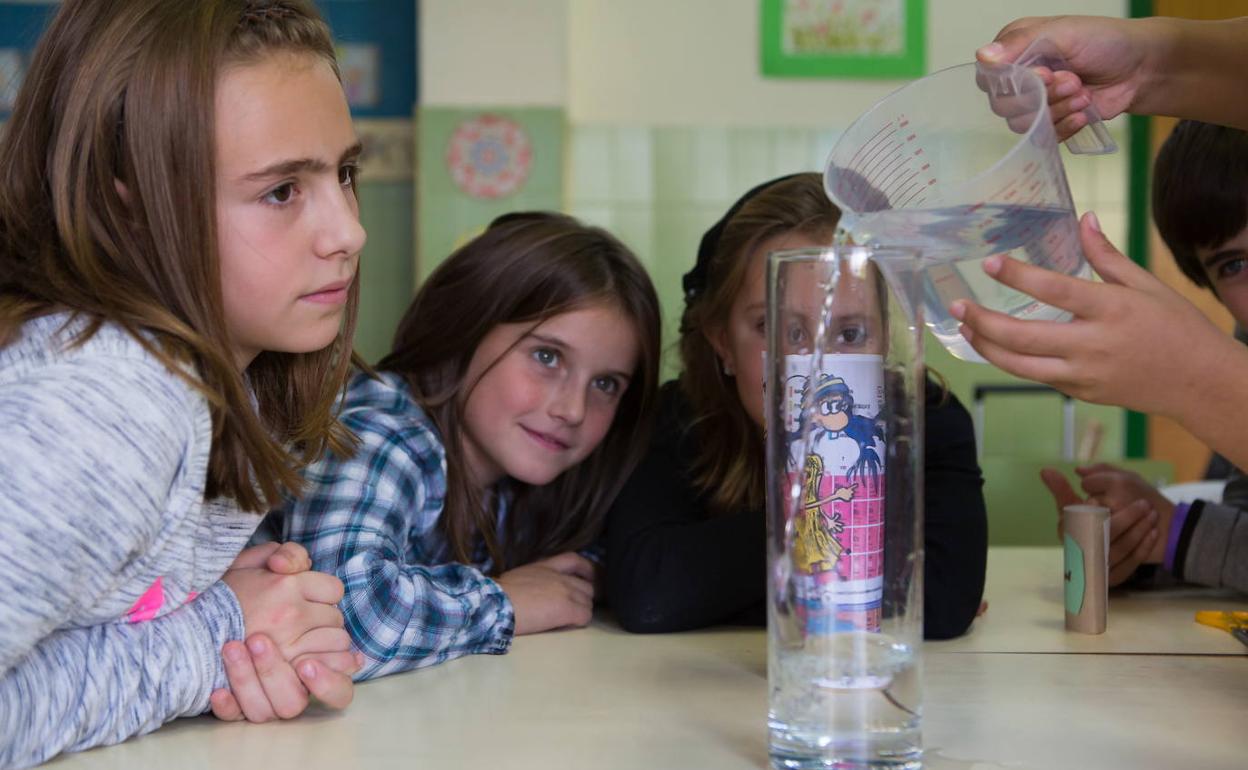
{"points": [[674, 566]]}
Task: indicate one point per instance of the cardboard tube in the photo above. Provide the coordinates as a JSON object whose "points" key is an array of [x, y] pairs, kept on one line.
{"points": [[1085, 535]]}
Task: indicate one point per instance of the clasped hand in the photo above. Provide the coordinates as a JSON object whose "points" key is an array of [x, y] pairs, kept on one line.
{"points": [[296, 646]]}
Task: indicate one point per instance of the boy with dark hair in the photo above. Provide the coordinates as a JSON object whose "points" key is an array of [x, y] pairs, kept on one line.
{"points": [[1200, 205]]}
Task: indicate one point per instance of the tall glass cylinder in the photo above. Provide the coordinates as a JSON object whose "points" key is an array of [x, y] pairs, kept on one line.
{"points": [[844, 507]]}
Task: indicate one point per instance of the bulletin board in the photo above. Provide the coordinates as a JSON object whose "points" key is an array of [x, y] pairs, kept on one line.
{"points": [[843, 38]]}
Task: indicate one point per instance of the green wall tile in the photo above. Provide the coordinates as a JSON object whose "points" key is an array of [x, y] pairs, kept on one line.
{"points": [[386, 266]]}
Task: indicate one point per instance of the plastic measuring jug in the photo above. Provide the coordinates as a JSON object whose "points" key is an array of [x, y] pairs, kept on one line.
{"points": [[963, 164]]}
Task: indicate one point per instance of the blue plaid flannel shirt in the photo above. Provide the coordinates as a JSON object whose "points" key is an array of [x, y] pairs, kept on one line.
{"points": [[372, 521]]}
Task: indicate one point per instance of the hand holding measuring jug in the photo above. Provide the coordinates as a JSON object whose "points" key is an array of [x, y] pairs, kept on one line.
{"points": [[1151, 66], [1107, 75], [1132, 342], [934, 167]]}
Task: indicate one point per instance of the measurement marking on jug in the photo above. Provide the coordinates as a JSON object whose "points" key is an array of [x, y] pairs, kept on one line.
{"points": [[901, 188], [853, 159], [899, 167], [1029, 171], [889, 163], [912, 201], [930, 183], [875, 157]]}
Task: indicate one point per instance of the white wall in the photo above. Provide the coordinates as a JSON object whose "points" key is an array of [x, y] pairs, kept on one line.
{"points": [[494, 52], [666, 62], [696, 62]]}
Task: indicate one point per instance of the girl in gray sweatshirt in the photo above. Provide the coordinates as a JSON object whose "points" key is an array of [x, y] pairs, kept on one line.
{"points": [[179, 237]]}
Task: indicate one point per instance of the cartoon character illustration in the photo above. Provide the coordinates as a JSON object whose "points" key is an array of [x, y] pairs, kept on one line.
{"points": [[815, 546], [833, 418]]}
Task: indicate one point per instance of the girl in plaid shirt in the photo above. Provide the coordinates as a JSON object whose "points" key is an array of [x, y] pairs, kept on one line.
{"points": [[514, 405]]}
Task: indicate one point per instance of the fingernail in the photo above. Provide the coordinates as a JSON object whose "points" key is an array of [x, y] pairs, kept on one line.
{"points": [[1152, 515], [966, 332], [992, 51], [992, 265], [359, 660], [308, 670], [1092, 221], [233, 653], [257, 646], [958, 309]]}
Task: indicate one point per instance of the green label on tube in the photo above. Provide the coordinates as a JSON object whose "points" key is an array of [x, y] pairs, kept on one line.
{"points": [[1074, 576]]}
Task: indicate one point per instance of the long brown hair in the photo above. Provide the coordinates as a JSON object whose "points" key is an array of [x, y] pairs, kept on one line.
{"points": [[525, 268], [729, 466], [107, 210]]}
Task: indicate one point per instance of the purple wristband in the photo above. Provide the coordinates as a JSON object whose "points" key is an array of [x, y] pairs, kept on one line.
{"points": [[1176, 529]]}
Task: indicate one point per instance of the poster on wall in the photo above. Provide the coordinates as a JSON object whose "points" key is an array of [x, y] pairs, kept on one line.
{"points": [[843, 38], [489, 156], [10, 77], [361, 81], [476, 164]]}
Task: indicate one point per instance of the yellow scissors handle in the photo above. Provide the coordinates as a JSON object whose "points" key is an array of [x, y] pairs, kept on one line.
{"points": [[1227, 621]]}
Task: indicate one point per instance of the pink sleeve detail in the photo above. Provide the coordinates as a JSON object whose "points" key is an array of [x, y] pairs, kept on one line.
{"points": [[149, 603]]}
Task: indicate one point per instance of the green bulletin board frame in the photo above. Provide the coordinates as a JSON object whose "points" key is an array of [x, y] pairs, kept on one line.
{"points": [[910, 63], [1139, 129]]}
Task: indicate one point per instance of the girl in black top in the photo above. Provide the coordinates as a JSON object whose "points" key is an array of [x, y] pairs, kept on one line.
{"points": [[686, 537]]}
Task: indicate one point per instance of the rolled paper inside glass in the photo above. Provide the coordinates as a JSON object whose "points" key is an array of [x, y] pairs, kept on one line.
{"points": [[836, 466]]}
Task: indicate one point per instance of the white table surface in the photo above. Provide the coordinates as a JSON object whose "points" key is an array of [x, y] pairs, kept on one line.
{"points": [[1025, 614], [601, 698]]}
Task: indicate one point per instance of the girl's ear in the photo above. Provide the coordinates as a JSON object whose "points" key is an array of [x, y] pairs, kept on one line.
{"points": [[122, 190]]}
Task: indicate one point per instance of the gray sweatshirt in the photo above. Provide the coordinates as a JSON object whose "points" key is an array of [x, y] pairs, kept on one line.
{"points": [[112, 612], [1212, 547]]}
